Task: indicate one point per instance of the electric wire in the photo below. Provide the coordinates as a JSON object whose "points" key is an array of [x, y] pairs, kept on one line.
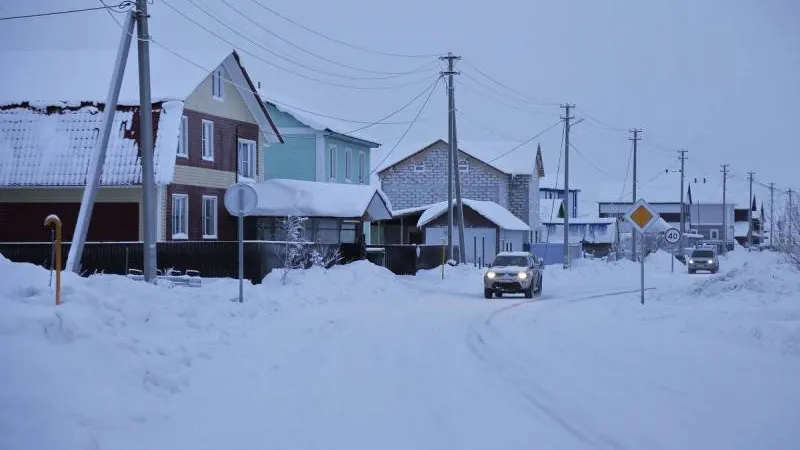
{"points": [[338, 41], [120, 6]]}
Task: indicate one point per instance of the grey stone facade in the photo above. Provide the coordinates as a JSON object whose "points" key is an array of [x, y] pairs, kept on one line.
{"points": [[408, 184]]}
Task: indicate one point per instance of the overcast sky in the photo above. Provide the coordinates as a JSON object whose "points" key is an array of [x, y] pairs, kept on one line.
{"points": [[717, 77]]}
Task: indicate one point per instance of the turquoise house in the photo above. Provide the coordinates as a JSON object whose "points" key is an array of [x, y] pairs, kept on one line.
{"points": [[318, 150]]}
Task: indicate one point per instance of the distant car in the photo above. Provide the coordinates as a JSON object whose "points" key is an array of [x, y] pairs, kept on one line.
{"points": [[703, 259], [513, 273]]}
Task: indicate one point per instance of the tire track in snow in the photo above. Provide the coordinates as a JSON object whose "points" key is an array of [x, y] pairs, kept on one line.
{"points": [[477, 343]]}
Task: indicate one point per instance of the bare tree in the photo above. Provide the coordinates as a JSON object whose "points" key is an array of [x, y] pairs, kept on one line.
{"points": [[325, 256], [294, 252], [787, 234]]}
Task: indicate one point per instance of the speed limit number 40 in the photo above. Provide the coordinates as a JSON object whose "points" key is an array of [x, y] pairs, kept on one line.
{"points": [[672, 235]]}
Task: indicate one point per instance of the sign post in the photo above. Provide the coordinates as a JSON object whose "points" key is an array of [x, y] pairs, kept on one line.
{"points": [[240, 200], [672, 236], [641, 216]]}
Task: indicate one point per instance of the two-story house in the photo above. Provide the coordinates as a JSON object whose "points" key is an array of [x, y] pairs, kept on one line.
{"points": [[207, 127], [315, 154]]}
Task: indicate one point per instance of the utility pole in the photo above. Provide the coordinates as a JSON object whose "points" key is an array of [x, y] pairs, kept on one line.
{"points": [[724, 208], [146, 133], [635, 138], [462, 254], [452, 160], [790, 213], [750, 213], [771, 211], [683, 172], [567, 207], [99, 156]]}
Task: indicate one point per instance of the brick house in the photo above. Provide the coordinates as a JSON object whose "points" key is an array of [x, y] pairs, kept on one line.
{"points": [[488, 172], [208, 127]]}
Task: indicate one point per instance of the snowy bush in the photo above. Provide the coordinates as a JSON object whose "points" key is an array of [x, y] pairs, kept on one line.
{"points": [[324, 256]]}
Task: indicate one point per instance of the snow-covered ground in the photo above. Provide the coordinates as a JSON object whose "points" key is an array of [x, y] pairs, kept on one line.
{"points": [[357, 358]]}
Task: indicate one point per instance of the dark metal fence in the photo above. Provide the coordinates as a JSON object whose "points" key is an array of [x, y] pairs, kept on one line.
{"points": [[218, 259]]}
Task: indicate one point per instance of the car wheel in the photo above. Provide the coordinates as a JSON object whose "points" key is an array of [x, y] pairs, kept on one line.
{"points": [[529, 292], [539, 287], [691, 271], [487, 293]]}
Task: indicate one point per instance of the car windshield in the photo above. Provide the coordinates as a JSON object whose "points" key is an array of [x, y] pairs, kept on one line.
{"points": [[510, 261], [702, 254]]}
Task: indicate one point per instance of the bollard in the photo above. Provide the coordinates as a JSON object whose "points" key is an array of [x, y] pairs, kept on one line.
{"points": [[53, 220]]}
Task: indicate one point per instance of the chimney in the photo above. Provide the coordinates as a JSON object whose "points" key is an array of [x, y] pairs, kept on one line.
{"points": [[259, 85]]}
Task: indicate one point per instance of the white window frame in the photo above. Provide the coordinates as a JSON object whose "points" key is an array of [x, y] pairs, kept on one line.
{"points": [[183, 138], [217, 85], [178, 234], [713, 233], [463, 165], [207, 140], [246, 147], [333, 159], [348, 164], [210, 200], [362, 167], [418, 168]]}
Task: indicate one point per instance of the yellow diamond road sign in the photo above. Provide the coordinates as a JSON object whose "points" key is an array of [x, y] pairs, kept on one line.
{"points": [[642, 215]]}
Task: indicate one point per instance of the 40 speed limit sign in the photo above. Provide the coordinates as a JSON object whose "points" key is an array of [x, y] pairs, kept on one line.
{"points": [[672, 235]]}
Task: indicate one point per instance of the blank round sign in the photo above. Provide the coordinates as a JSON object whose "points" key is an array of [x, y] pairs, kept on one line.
{"points": [[244, 205]]}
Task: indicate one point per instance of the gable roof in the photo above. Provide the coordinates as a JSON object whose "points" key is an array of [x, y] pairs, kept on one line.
{"points": [[316, 121], [490, 210], [497, 154], [72, 77], [54, 146]]}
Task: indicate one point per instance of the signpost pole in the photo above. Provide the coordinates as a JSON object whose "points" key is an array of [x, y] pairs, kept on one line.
{"points": [[240, 233], [641, 261]]}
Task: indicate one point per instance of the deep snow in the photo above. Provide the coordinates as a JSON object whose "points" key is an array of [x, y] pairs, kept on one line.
{"points": [[357, 358]]}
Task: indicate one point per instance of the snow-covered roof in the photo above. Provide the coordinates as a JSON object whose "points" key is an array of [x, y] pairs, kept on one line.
{"points": [[283, 197], [497, 154], [490, 210], [41, 149], [407, 211], [314, 121], [591, 230]]}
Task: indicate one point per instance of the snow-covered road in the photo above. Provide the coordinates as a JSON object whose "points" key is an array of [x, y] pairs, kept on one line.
{"points": [[420, 363]]}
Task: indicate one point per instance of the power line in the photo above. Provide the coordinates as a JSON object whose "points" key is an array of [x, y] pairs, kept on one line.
{"points": [[338, 41], [499, 101], [269, 50], [485, 127], [595, 165], [322, 57], [525, 142], [122, 6], [515, 98], [627, 172], [248, 89], [430, 94], [519, 94], [266, 61]]}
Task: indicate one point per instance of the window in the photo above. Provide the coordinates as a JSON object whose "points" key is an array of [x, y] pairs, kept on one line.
{"points": [[714, 233], [332, 156], [217, 85], [463, 166], [348, 164], [419, 168], [180, 216], [208, 140], [183, 138], [347, 233], [362, 167], [209, 217], [247, 158]]}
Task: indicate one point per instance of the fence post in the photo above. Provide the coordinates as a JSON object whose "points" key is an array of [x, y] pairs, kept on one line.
{"points": [[483, 250], [475, 251]]}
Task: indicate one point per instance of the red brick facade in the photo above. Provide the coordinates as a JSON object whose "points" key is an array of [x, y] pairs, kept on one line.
{"points": [[227, 132], [226, 224]]}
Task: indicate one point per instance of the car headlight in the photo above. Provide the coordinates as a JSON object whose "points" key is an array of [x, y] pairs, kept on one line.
{"points": [[490, 275], [691, 261], [522, 275]]}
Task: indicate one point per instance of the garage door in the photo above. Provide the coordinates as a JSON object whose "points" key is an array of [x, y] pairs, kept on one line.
{"points": [[480, 243], [24, 222]]}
